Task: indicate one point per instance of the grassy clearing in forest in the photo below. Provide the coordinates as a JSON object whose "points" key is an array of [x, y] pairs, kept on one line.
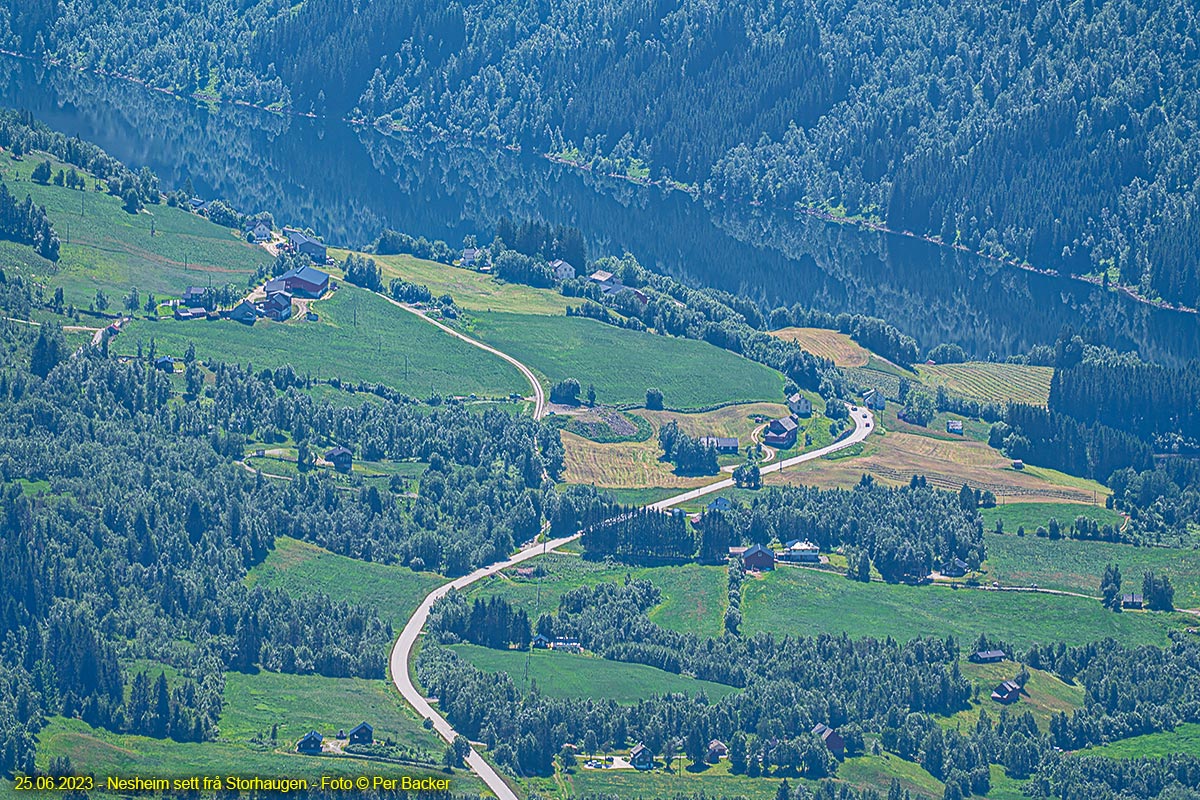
{"points": [[586, 676], [302, 568]]}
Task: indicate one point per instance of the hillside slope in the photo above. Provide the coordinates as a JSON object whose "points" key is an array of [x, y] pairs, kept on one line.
{"points": [[1055, 133]]}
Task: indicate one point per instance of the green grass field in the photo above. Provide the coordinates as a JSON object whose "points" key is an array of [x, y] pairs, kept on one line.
{"points": [[102, 753], [877, 772], [805, 602], [715, 780], [584, 676], [303, 568], [1004, 787], [982, 380], [471, 290], [253, 704], [1184, 740], [693, 601], [111, 249], [302, 703], [622, 364], [1031, 515], [387, 345], [1076, 566], [1044, 695]]}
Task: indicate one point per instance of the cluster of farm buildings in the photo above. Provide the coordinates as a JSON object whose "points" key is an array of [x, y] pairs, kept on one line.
{"points": [[780, 433], [301, 281], [313, 742], [562, 271]]}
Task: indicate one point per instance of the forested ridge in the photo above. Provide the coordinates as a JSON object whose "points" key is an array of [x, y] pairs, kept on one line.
{"points": [[1062, 134], [127, 528]]}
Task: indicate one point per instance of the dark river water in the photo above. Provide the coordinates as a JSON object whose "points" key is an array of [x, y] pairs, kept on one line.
{"points": [[349, 184]]}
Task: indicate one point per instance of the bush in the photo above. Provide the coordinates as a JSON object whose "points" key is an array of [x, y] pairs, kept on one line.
{"points": [[565, 392], [41, 173]]}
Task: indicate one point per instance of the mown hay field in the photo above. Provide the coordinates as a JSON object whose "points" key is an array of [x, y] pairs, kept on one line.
{"points": [[836, 346], [982, 380], [946, 463]]}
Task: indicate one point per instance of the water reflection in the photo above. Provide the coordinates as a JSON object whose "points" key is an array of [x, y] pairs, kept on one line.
{"points": [[349, 184]]}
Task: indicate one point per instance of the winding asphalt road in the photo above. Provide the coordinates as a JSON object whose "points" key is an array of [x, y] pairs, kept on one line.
{"points": [[539, 394], [402, 651]]}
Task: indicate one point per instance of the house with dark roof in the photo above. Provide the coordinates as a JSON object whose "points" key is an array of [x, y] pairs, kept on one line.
{"points": [[641, 757], [193, 296], [309, 743], [306, 281], [987, 656], [874, 400], [1131, 601], [185, 313], [1007, 692], [541, 642], [278, 306], [781, 432], [164, 364], [832, 739], [800, 405], [341, 458], [716, 751], [722, 444], [362, 733], [562, 270], [758, 557], [244, 312], [955, 568], [310, 246], [720, 504]]}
